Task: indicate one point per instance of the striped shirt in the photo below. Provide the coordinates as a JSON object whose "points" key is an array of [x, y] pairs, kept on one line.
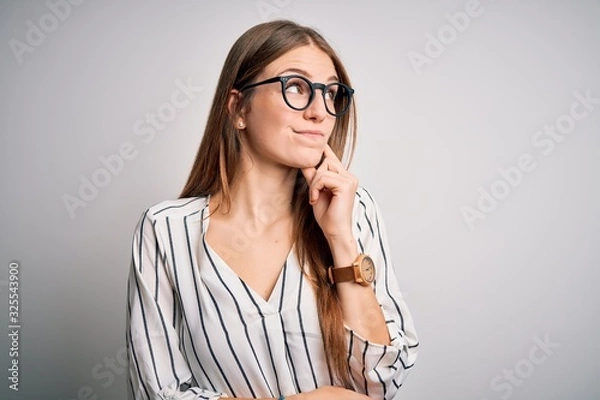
{"points": [[195, 330]]}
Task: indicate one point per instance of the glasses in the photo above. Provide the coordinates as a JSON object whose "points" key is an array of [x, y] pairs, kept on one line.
{"points": [[298, 93]]}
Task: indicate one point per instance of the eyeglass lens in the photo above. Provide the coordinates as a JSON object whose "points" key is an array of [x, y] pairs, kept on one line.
{"points": [[298, 93]]}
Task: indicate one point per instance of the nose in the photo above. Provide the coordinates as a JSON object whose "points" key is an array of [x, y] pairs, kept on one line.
{"points": [[316, 109]]}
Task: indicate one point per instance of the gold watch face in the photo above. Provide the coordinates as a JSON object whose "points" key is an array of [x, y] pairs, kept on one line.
{"points": [[367, 268]]}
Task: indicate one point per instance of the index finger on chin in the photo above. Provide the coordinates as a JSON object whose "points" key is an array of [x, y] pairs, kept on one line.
{"points": [[309, 173], [329, 151]]}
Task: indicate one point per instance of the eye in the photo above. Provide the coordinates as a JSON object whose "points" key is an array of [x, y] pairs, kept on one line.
{"points": [[331, 92], [293, 88], [297, 86]]}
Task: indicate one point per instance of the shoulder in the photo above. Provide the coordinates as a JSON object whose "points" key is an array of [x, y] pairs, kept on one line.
{"points": [[160, 221], [364, 203], [176, 209], [366, 212], [368, 224], [362, 194]]}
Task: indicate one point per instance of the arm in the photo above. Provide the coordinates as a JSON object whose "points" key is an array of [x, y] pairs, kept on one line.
{"points": [[156, 367], [382, 340], [332, 193], [360, 307], [379, 369]]}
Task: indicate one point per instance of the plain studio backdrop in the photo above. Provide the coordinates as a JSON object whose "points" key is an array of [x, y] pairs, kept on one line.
{"points": [[479, 138]]}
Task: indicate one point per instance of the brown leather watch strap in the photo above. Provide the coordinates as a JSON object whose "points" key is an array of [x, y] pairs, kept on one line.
{"points": [[342, 274]]}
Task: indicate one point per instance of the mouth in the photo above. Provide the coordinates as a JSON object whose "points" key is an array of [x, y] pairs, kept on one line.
{"points": [[310, 133]]}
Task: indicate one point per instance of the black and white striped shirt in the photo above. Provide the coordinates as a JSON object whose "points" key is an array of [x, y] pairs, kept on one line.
{"points": [[195, 330]]}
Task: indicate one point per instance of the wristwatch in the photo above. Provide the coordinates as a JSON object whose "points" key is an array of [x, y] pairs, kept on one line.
{"points": [[362, 271]]}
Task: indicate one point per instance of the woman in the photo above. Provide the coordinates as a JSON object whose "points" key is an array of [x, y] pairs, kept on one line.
{"points": [[270, 276]]}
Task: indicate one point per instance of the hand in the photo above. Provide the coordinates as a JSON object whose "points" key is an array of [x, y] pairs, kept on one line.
{"points": [[329, 393], [331, 191]]}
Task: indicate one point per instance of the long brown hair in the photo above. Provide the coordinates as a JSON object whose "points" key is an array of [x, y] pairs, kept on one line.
{"points": [[218, 157]]}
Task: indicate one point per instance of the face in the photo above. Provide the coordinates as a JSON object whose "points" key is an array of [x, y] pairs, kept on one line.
{"points": [[275, 133], [368, 270]]}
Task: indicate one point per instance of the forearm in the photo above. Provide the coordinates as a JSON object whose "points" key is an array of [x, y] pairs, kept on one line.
{"points": [[291, 397], [252, 398], [360, 307]]}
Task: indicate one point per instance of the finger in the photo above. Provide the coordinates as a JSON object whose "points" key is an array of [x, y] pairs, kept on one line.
{"points": [[318, 183], [329, 152], [325, 168], [320, 160], [309, 173], [327, 165], [332, 160], [329, 180], [327, 176], [331, 164]]}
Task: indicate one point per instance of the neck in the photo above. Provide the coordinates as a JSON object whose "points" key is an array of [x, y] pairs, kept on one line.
{"points": [[260, 194]]}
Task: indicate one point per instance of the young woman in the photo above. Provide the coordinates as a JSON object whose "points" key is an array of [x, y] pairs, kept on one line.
{"points": [[270, 277]]}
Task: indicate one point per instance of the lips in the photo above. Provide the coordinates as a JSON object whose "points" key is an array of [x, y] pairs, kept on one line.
{"points": [[310, 133]]}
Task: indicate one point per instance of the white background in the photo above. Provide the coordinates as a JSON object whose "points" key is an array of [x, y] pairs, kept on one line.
{"points": [[432, 139]]}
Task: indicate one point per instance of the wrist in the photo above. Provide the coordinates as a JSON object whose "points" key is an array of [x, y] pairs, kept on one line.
{"points": [[344, 250]]}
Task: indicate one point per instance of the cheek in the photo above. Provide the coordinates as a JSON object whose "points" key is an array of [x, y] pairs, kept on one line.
{"points": [[270, 125], [329, 129], [331, 126], [270, 114]]}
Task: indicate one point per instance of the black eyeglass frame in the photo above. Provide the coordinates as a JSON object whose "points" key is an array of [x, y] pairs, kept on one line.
{"points": [[313, 86]]}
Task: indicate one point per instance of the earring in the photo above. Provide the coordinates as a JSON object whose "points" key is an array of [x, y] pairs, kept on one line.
{"points": [[241, 125]]}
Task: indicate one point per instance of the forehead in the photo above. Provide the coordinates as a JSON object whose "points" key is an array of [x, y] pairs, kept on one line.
{"points": [[309, 58]]}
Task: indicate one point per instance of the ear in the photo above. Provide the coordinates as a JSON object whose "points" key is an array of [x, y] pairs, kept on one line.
{"points": [[234, 108]]}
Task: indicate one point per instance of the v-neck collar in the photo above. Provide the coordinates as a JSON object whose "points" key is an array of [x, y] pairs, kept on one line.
{"points": [[274, 302]]}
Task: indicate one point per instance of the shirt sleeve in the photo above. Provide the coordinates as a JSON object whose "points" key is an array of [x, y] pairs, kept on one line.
{"points": [[157, 370], [379, 370]]}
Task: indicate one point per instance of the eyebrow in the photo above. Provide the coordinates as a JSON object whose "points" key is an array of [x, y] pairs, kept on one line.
{"points": [[332, 78]]}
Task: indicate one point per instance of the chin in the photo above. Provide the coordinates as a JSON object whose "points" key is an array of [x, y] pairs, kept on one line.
{"points": [[311, 161], [304, 158]]}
